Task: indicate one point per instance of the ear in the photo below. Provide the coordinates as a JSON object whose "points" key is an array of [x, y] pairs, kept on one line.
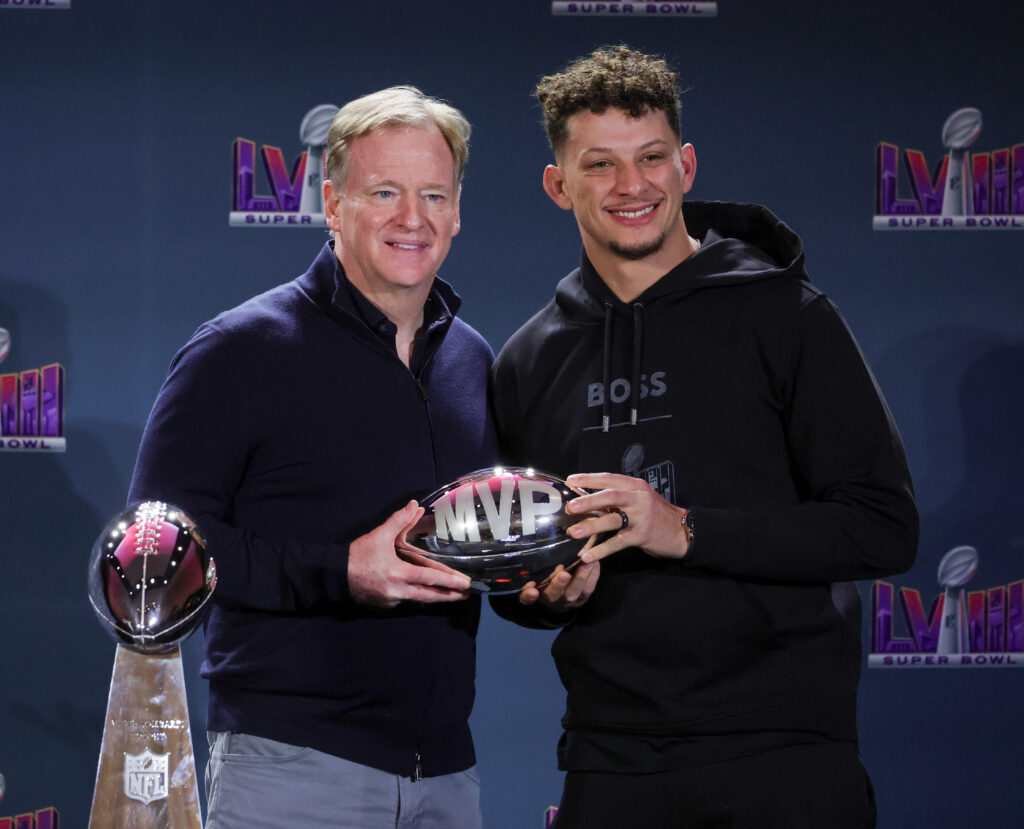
{"points": [[689, 161], [554, 186], [332, 205], [457, 219]]}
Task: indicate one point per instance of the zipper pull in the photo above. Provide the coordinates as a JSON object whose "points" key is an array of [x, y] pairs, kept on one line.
{"points": [[425, 396], [419, 768]]}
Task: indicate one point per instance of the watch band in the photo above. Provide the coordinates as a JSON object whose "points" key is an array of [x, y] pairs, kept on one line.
{"points": [[688, 524]]}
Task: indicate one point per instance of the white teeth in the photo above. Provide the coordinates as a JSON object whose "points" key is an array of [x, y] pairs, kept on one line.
{"points": [[632, 214], [405, 247]]}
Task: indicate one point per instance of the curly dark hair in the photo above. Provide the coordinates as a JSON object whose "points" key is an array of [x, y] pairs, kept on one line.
{"points": [[612, 76]]}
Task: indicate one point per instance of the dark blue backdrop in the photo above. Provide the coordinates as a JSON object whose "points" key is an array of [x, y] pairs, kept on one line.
{"points": [[116, 128]]}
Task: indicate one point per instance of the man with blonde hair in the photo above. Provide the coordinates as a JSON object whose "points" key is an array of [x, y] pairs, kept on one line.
{"points": [[298, 429]]}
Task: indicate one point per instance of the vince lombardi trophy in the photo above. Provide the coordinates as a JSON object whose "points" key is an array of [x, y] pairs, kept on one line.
{"points": [[150, 582], [961, 129], [313, 133], [955, 570]]}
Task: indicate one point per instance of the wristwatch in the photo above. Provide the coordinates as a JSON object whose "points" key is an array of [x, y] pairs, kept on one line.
{"points": [[688, 527]]}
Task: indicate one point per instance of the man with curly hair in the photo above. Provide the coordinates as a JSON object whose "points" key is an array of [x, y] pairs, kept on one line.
{"points": [[743, 470]]}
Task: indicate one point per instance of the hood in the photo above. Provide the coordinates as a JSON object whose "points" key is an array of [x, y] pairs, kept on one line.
{"points": [[739, 243]]}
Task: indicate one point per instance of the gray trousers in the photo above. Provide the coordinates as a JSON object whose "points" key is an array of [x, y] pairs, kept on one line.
{"points": [[253, 782]]}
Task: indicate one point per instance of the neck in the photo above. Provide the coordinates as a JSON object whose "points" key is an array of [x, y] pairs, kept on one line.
{"points": [[403, 306]]}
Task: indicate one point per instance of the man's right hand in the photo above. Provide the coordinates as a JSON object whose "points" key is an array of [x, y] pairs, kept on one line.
{"points": [[377, 576], [563, 590]]}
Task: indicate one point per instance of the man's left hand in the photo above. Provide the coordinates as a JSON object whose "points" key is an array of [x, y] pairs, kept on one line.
{"points": [[650, 522]]}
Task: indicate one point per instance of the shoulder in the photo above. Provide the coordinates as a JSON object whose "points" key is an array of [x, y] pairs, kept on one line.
{"points": [[777, 304], [468, 340], [464, 351], [265, 321], [533, 336], [269, 315]]}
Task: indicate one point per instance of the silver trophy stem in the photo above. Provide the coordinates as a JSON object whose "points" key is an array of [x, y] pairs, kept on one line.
{"points": [[312, 197], [955, 198], [147, 776], [952, 627]]}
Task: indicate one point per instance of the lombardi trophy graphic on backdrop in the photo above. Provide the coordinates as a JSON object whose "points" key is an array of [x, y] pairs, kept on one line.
{"points": [[955, 570], [313, 133], [961, 129]]}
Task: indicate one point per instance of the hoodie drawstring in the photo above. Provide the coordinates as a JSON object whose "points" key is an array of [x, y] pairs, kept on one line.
{"points": [[634, 380], [606, 377]]}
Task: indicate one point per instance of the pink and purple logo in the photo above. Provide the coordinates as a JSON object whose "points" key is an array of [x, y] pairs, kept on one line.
{"points": [[31, 407], [964, 191], [42, 819], [295, 198], [972, 629]]}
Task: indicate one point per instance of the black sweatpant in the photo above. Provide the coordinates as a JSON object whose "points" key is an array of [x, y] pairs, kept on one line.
{"points": [[796, 787]]}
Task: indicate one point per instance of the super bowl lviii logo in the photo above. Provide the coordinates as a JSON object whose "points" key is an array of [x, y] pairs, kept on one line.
{"points": [[962, 629], [31, 406], [295, 198], [965, 191]]}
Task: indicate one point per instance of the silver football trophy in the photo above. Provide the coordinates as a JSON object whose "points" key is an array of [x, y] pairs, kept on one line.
{"points": [[955, 570], [313, 133], [150, 583], [961, 129], [501, 527]]}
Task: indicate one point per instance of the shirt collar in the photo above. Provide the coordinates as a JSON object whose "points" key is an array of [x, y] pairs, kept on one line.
{"points": [[441, 305]]}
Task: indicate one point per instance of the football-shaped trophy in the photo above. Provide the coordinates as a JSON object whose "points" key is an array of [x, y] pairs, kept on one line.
{"points": [[150, 577], [150, 582], [502, 527]]}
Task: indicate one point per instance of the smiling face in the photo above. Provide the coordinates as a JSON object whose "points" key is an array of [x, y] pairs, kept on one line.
{"points": [[624, 178], [396, 212]]}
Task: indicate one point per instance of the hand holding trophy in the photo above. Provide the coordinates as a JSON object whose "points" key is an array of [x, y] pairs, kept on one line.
{"points": [[502, 527]]}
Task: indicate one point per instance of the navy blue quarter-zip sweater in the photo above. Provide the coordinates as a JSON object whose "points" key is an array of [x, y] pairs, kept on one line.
{"points": [[288, 427]]}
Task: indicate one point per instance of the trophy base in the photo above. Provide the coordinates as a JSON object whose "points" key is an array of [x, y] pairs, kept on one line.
{"points": [[147, 775]]}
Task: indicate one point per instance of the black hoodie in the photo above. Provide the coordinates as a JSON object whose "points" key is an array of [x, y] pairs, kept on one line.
{"points": [[734, 388]]}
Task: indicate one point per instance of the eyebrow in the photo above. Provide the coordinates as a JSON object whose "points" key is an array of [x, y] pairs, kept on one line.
{"points": [[391, 183], [609, 149]]}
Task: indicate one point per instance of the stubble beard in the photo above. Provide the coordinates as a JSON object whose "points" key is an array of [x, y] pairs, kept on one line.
{"points": [[638, 251]]}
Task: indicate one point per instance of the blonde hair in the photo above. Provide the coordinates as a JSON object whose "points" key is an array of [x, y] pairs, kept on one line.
{"points": [[394, 107]]}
